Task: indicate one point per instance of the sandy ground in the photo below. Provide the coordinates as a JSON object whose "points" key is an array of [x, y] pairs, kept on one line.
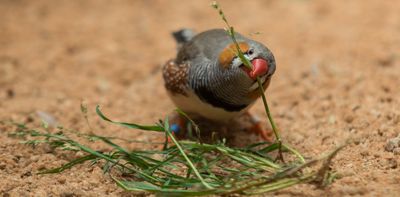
{"points": [[338, 68]]}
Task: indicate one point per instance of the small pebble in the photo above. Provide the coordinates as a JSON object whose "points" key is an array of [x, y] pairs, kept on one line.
{"points": [[396, 151], [349, 118], [332, 119], [364, 152], [10, 93], [47, 118], [392, 144], [61, 180], [391, 163]]}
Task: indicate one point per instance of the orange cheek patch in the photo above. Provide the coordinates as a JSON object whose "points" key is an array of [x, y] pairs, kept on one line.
{"points": [[229, 52]]}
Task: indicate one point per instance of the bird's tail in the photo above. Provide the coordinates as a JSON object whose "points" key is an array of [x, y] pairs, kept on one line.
{"points": [[182, 36]]}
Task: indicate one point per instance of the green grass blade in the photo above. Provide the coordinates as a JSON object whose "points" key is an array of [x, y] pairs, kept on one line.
{"points": [[167, 129], [129, 125], [248, 64], [68, 165], [143, 186], [295, 152]]}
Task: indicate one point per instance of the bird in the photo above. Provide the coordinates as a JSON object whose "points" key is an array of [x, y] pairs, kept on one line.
{"points": [[208, 79]]}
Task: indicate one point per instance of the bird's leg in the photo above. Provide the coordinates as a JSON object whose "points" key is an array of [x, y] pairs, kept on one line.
{"points": [[257, 128], [177, 125]]}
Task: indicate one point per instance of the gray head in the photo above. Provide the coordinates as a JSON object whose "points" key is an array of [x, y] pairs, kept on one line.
{"points": [[224, 81]]}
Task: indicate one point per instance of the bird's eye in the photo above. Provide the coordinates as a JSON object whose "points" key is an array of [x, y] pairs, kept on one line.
{"points": [[250, 52]]}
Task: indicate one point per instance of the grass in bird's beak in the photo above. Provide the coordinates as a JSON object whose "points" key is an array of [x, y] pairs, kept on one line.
{"points": [[231, 32], [186, 168]]}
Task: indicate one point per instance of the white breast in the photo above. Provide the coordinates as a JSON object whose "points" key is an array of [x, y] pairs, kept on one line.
{"points": [[193, 104]]}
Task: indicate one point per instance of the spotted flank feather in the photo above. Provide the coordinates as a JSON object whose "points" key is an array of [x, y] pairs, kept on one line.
{"points": [[176, 77]]}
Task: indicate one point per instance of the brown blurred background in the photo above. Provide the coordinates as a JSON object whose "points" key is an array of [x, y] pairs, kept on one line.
{"points": [[337, 77]]}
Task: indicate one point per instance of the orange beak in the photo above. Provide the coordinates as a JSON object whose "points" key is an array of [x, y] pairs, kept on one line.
{"points": [[260, 68]]}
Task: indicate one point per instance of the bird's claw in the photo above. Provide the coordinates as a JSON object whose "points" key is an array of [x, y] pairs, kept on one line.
{"points": [[263, 133], [257, 128]]}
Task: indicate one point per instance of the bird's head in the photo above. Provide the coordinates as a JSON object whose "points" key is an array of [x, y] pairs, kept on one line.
{"points": [[245, 79], [219, 77]]}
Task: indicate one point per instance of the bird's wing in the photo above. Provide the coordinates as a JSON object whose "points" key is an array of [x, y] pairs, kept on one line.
{"points": [[176, 77]]}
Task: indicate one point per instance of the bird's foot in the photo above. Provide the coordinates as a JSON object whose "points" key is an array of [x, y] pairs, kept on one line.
{"points": [[266, 135], [258, 129]]}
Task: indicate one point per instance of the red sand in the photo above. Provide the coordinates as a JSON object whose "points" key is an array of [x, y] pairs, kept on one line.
{"points": [[337, 77]]}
